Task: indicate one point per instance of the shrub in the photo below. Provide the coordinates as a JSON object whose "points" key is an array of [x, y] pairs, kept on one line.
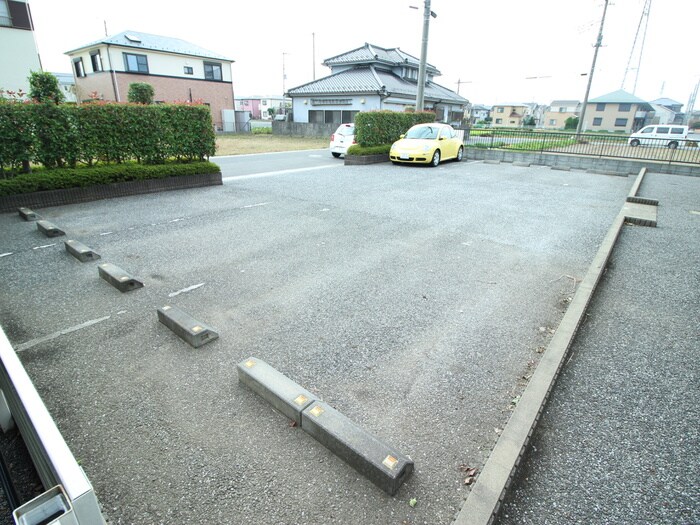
{"points": [[43, 87], [369, 150], [377, 128], [141, 93], [44, 179], [262, 131]]}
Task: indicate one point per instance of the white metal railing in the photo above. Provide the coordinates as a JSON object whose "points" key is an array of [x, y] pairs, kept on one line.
{"points": [[21, 404]]}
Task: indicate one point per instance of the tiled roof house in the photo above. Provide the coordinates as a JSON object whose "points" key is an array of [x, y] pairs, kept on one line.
{"points": [[372, 78]]}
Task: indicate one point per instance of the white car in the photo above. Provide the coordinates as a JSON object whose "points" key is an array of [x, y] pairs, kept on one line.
{"points": [[342, 139], [661, 136]]}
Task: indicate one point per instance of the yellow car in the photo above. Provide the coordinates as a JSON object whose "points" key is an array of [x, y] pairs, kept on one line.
{"points": [[427, 144]]}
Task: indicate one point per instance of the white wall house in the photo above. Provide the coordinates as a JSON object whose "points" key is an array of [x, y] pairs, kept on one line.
{"points": [[17, 35], [372, 78], [178, 71]]}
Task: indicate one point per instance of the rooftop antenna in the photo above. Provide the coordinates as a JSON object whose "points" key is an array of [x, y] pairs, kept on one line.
{"points": [[644, 19], [105, 22]]}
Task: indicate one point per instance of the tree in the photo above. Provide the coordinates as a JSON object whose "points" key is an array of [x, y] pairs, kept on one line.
{"points": [[529, 121], [141, 93], [43, 87], [571, 123]]}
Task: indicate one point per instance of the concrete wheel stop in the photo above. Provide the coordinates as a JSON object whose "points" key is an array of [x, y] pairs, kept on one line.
{"points": [[49, 229], [27, 214], [118, 278], [379, 462], [186, 327], [80, 251]]}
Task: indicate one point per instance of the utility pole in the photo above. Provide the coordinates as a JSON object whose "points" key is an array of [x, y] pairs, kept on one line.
{"points": [[313, 52], [284, 75], [423, 55], [598, 43]]}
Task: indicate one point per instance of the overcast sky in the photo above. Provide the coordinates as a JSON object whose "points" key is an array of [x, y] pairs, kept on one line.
{"points": [[494, 47]]}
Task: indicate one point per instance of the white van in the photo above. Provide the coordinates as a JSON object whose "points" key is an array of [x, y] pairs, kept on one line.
{"points": [[667, 135]]}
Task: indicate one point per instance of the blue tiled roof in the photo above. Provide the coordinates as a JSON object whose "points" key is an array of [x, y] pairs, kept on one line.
{"points": [[370, 53], [372, 79], [619, 96], [150, 42]]}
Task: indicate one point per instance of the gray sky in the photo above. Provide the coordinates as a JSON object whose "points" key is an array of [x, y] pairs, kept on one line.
{"points": [[494, 46]]}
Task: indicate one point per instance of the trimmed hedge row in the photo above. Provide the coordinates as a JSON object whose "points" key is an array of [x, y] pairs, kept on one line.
{"points": [[61, 178], [67, 135], [375, 128]]}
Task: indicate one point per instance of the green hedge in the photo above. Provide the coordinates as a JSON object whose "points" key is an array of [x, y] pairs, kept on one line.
{"points": [[68, 135], [377, 128], [369, 150], [61, 178]]}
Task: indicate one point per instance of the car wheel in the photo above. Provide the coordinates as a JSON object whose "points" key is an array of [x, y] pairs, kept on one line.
{"points": [[460, 154], [673, 145], [436, 158], [634, 143], [335, 154]]}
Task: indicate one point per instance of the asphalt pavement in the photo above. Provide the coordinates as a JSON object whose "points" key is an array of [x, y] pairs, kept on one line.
{"points": [[619, 442], [414, 300]]}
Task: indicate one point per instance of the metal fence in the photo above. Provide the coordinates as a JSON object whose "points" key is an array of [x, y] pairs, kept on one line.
{"points": [[685, 151]]}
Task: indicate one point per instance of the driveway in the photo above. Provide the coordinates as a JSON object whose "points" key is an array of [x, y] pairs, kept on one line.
{"points": [[414, 300]]}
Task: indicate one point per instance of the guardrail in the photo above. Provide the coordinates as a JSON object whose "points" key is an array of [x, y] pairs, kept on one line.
{"points": [[685, 151], [69, 498]]}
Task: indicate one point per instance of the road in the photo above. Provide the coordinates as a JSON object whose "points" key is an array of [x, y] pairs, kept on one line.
{"points": [[233, 166], [414, 300]]}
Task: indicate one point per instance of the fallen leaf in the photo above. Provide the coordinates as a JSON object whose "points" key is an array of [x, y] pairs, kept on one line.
{"points": [[413, 502]]}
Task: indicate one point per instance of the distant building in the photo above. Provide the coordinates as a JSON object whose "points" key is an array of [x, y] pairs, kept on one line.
{"points": [[667, 111], [478, 113], [559, 112], [66, 83], [177, 70], [259, 106], [372, 78], [18, 55], [617, 111], [509, 115]]}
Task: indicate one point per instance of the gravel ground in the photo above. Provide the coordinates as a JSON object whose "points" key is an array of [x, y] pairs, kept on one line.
{"points": [[411, 299], [619, 442]]}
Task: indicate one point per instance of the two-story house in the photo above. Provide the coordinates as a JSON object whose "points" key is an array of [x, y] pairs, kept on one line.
{"points": [[478, 113], [177, 70], [372, 78], [667, 111], [559, 112], [18, 53], [509, 115], [617, 111]]}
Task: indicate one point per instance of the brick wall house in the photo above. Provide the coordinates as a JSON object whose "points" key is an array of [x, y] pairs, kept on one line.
{"points": [[178, 71]]}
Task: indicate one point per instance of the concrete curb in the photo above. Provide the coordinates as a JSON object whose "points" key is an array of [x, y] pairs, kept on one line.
{"points": [[45, 199], [484, 501]]}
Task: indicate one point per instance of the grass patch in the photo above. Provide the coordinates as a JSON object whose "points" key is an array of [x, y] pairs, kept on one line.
{"points": [[56, 179], [244, 144]]}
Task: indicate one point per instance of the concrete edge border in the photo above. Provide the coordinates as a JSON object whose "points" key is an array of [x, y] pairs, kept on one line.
{"points": [[45, 199], [484, 501]]}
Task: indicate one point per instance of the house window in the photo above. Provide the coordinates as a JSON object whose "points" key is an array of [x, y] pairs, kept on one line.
{"points": [[264, 102], [499, 121], [552, 122], [625, 107], [78, 65], [136, 63], [5, 19], [499, 110], [96, 60], [597, 121], [212, 71], [620, 122], [562, 110], [189, 70], [600, 107]]}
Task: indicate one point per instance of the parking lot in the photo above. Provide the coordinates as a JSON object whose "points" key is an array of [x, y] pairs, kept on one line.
{"points": [[414, 300]]}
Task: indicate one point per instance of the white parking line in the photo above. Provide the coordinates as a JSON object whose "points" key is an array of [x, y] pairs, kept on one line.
{"points": [[34, 342], [185, 290], [274, 173], [6, 254], [43, 246]]}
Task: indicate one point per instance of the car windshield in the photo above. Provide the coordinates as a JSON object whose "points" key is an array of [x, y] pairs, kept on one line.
{"points": [[422, 132], [346, 130]]}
